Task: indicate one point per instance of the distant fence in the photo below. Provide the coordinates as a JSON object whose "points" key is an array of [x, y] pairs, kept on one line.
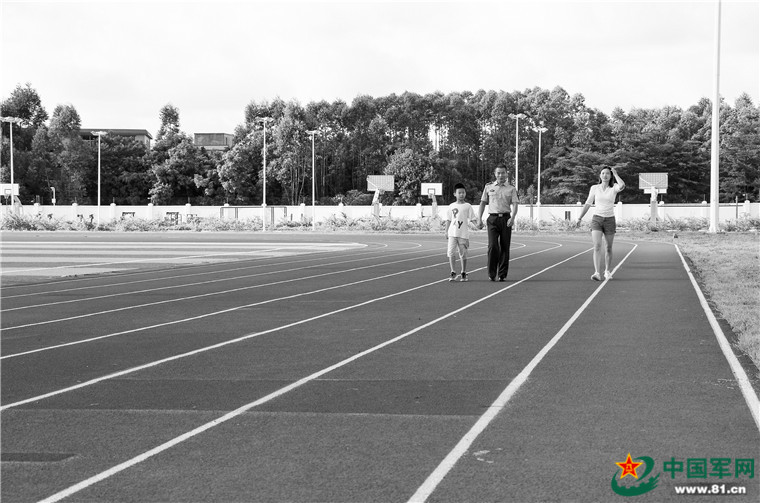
{"points": [[304, 213]]}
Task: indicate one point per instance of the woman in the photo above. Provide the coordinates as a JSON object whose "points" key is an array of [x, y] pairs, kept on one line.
{"points": [[603, 221]]}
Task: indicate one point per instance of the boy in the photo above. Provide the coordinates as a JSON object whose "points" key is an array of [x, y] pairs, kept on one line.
{"points": [[458, 217]]}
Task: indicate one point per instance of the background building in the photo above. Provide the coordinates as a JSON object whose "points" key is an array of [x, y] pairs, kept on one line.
{"points": [[141, 135], [213, 141]]}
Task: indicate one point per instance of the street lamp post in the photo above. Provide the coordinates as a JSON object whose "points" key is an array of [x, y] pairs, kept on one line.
{"points": [[11, 121], [99, 134], [264, 121], [517, 118], [313, 133], [540, 129], [715, 137]]}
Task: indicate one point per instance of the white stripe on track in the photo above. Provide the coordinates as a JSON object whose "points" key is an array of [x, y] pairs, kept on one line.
{"points": [[184, 285], [139, 272], [73, 266], [74, 245], [178, 276], [753, 402], [223, 311], [233, 414], [209, 294], [232, 341], [460, 449]]}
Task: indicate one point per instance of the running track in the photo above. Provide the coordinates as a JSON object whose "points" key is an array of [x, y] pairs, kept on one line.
{"points": [[335, 368]]}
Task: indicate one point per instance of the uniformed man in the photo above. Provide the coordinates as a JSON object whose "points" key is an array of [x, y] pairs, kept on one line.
{"points": [[500, 197]]}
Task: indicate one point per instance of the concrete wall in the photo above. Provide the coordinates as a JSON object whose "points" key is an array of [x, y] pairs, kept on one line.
{"points": [[546, 212]]}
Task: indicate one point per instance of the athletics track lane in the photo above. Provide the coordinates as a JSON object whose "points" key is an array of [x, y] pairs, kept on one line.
{"points": [[369, 431]]}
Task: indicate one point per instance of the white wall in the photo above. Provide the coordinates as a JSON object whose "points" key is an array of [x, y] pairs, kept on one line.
{"points": [[545, 212]]}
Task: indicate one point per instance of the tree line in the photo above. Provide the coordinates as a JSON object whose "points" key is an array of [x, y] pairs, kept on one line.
{"points": [[436, 137]]}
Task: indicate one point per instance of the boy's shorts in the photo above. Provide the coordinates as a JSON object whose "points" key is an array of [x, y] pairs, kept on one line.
{"points": [[455, 244], [605, 224]]}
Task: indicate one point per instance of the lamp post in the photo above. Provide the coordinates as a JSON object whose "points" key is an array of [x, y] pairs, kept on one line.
{"points": [[715, 137], [517, 118], [11, 121], [99, 134], [313, 132], [264, 121], [540, 129]]}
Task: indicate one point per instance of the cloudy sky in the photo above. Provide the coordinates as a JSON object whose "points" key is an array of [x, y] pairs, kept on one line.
{"points": [[118, 63]]}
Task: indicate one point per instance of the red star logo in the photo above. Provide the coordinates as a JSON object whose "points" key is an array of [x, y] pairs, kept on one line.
{"points": [[629, 467]]}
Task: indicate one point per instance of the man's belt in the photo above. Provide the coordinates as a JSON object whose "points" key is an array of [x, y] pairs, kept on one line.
{"points": [[500, 214]]}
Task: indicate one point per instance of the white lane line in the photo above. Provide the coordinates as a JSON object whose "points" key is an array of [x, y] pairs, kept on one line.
{"points": [[73, 245], [279, 247], [364, 253], [132, 247], [753, 402], [216, 313], [184, 285], [137, 272], [99, 264], [237, 412], [232, 341], [209, 294], [461, 448]]}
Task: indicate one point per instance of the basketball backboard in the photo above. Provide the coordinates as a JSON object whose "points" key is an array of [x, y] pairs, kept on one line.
{"points": [[649, 181], [431, 189], [7, 190], [382, 183]]}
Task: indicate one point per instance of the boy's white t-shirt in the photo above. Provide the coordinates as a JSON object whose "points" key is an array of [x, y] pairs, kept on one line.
{"points": [[604, 199], [460, 216]]}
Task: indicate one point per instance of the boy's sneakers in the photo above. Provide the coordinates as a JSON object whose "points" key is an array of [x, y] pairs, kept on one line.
{"points": [[463, 277], [596, 277], [607, 275], [453, 276]]}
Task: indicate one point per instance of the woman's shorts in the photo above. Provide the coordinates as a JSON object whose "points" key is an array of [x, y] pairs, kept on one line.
{"points": [[605, 224], [457, 244]]}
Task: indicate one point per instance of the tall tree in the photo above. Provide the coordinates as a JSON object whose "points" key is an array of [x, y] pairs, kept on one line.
{"points": [[65, 120], [410, 170], [175, 177], [239, 169], [740, 151], [292, 152], [169, 117]]}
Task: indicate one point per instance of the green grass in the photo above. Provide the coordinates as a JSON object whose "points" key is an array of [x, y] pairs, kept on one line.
{"points": [[727, 266]]}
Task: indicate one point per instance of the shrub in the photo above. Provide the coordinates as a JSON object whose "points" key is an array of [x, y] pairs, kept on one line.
{"points": [[342, 222]]}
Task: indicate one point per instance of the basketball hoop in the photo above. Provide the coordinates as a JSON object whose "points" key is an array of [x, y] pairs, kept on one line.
{"points": [[654, 184], [379, 184]]}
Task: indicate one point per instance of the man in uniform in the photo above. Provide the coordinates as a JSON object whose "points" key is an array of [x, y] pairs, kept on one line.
{"points": [[499, 196]]}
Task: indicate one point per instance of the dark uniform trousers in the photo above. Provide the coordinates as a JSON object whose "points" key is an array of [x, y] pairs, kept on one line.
{"points": [[499, 239]]}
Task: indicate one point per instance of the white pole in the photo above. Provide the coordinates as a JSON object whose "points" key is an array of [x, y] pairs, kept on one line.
{"points": [[715, 147], [517, 147], [98, 180], [313, 198], [10, 124], [538, 198], [264, 182]]}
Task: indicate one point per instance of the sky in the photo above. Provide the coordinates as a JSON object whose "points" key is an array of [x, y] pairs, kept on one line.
{"points": [[118, 63]]}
